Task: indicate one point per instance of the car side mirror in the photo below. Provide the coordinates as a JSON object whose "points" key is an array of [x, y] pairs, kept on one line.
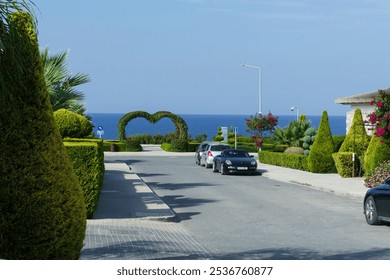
{"points": [[251, 155], [387, 181]]}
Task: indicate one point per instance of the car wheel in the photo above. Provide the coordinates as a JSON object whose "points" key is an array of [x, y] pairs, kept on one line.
{"points": [[370, 211], [214, 167], [223, 170]]}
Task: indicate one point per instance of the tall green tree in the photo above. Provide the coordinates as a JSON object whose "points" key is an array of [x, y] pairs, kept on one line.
{"points": [[42, 209], [61, 84]]}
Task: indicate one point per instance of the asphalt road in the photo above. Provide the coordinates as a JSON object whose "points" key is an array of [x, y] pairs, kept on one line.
{"points": [[252, 217]]}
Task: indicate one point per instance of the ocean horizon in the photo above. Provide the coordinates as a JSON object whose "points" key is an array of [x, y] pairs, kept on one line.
{"points": [[197, 124]]}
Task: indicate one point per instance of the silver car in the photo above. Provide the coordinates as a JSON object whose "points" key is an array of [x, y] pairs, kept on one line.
{"points": [[212, 150]]}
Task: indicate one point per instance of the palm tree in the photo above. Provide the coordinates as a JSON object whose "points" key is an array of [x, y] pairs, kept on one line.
{"points": [[61, 84]]}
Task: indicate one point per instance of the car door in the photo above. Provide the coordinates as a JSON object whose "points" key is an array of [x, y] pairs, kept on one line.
{"points": [[382, 199]]}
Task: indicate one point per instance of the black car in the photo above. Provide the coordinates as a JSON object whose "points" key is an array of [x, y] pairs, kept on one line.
{"points": [[377, 204], [234, 161]]}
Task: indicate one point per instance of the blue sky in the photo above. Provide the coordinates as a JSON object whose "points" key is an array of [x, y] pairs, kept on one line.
{"points": [[183, 55]]}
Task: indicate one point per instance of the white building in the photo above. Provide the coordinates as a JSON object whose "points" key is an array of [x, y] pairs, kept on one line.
{"points": [[362, 102]]}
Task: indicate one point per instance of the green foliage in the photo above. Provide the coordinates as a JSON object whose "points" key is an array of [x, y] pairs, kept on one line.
{"points": [[42, 210], [320, 158], [356, 140], [308, 140], [88, 163], [180, 124], [258, 124], [293, 134], [294, 150], [338, 141], [116, 145], [379, 174], [133, 145], [61, 85], [201, 137], [294, 161], [153, 139], [166, 147], [71, 124], [345, 166], [376, 153], [219, 137], [179, 145]]}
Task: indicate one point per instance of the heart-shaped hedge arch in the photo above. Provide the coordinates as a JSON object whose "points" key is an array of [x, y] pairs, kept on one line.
{"points": [[180, 124]]}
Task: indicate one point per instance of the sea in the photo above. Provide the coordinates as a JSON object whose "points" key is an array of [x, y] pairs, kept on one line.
{"points": [[197, 124]]}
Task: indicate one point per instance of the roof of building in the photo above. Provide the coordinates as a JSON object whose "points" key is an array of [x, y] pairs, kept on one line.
{"points": [[359, 98]]}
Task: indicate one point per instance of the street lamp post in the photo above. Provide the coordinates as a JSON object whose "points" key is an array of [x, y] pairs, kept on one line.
{"points": [[293, 108], [258, 68]]}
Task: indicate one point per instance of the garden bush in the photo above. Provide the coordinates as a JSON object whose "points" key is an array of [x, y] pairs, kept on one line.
{"points": [[294, 161], [88, 163], [376, 153], [294, 150], [345, 165], [338, 141], [166, 147], [379, 174], [320, 158], [356, 140], [179, 145], [72, 125], [133, 145], [42, 210]]}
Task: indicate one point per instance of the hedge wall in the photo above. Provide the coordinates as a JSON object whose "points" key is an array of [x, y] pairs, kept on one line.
{"points": [[294, 161], [88, 163]]}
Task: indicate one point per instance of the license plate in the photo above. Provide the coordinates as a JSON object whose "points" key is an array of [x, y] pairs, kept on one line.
{"points": [[242, 168]]}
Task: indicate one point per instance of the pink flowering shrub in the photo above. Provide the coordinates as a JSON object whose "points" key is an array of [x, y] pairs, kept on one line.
{"points": [[258, 124], [379, 175], [381, 115]]}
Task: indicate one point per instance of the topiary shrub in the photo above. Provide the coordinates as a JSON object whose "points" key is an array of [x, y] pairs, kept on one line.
{"points": [[338, 141], [42, 210], [320, 158], [379, 174], [376, 153], [88, 162], [179, 145], [345, 165], [219, 137], [356, 140], [294, 150], [294, 161], [166, 147], [133, 145], [72, 125]]}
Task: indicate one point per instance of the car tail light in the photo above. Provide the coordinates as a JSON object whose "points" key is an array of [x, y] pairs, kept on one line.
{"points": [[210, 154]]}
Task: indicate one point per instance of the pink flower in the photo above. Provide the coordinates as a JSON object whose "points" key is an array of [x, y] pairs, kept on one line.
{"points": [[379, 104], [380, 131]]}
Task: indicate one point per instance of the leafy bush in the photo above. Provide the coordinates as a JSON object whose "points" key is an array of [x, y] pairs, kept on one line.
{"points": [[378, 176], [338, 141], [294, 161], [294, 150], [179, 145], [166, 147], [293, 134], [42, 210], [308, 140], [376, 153], [71, 124], [345, 165], [88, 163], [118, 146], [133, 145], [320, 158], [356, 140]]}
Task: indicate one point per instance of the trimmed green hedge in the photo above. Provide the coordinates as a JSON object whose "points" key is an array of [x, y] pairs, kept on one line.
{"points": [[118, 146], [179, 145], [345, 165], [285, 160], [88, 163]]}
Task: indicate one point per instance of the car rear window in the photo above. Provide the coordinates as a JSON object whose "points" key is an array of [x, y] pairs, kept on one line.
{"points": [[219, 147]]}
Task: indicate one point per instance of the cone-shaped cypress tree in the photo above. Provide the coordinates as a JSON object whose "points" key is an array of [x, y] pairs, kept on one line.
{"points": [[42, 211], [320, 158], [377, 152], [356, 140]]}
